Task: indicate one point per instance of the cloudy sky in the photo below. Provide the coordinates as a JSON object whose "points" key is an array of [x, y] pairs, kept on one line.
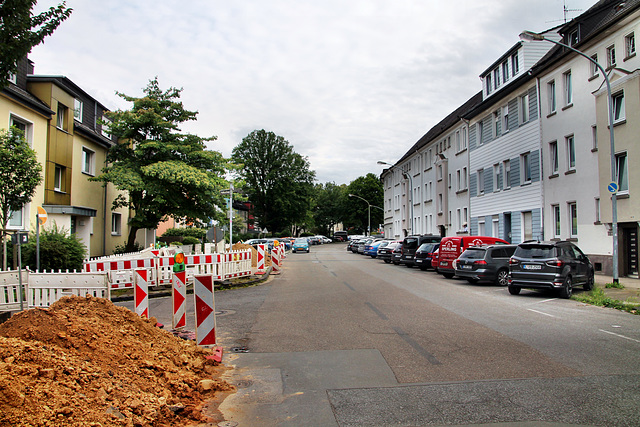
{"points": [[346, 82]]}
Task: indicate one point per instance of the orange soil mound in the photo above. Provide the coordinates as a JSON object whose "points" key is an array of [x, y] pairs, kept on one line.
{"points": [[86, 362]]}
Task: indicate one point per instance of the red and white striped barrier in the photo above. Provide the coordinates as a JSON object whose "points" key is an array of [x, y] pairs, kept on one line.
{"points": [[275, 261], [179, 296], [205, 310], [141, 293], [261, 259], [237, 264], [120, 272]]}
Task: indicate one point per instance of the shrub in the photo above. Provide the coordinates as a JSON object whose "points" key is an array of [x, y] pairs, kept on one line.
{"points": [[58, 250], [121, 249], [189, 240], [198, 233]]}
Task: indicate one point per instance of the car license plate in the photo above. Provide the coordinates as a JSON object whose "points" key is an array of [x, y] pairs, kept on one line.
{"points": [[467, 267], [418, 260], [532, 267]]}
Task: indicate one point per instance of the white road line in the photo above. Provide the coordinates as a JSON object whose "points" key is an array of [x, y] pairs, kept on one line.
{"points": [[541, 312], [620, 336]]}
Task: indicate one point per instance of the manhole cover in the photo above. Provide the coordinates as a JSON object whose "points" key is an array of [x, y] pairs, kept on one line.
{"points": [[228, 424], [243, 383], [239, 349]]}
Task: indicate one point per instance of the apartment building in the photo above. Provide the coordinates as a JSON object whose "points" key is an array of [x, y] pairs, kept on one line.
{"points": [[63, 124]]}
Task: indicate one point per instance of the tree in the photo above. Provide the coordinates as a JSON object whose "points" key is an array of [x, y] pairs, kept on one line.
{"points": [[369, 188], [328, 209], [19, 177], [279, 181], [20, 31], [164, 173]]}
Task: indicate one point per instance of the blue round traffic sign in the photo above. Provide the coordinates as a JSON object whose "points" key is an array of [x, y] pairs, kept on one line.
{"points": [[612, 187]]}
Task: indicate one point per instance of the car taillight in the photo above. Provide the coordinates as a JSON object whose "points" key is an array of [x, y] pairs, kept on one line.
{"points": [[555, 263], [513, 261], [480, 262]]}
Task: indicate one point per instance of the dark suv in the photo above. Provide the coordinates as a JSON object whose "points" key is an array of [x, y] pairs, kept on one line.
{"points": [[485, 263], [549, 265], [411, 243], [424, 255]]}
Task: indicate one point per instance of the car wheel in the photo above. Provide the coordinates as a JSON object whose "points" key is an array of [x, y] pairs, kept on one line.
{"points": [[448, 275], [423, 268], [395, 263], [567, 288], [503, 278], [472, 280], [514, 290], [387, 261], [589, 283], [307, 250], [409, 265]]}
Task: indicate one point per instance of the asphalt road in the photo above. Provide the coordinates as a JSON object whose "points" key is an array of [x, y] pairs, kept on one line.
{"points": [[342, 339]]}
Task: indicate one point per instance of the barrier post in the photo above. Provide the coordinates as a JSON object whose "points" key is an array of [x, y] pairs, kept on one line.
{"points": [[141, 293], [179, 296], [275, 261], [205, 310], [261, 259]]}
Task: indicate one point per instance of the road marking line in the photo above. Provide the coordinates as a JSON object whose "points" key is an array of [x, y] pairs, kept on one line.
{"points": [[541, 312], [421, 350], [349, 286], [376, 311], [619, 336]]}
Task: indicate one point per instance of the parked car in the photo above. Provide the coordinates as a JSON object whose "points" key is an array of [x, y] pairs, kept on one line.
{"points": [[340, 236], [363, 244], [351, 244], [385, 252], [452, 247], [301, 244], [549, 265], [424, 255], [373, 247], [397, 254], [435, 259], [411, 243], [314, 240], [255, 242], [485, 263]]}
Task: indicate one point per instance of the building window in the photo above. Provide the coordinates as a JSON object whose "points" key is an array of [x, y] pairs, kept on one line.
{"points": [[551, 90], [16, 219], [480, 228], [524, 108], [24, 126], [459, 180], [13, 78], [106, 123], [573, 219], [88, 161], [496, 124], [505, 119], [506, 181], [464, 138], [568, 88], [58, 178], [618, 107], [496, 227], [611, 56], [480, 132], [597, 200], [573, 38], [515, 66], [525, 163], [593, 68], [527, 225], [77, 110], [439, 176], [61, 117], [496, 78], [556, 221], [553, 157], [630, 45], [496, 177], [481, 181], [505, 71], [594, 138], [571, 153], [622, 172], [465, 179], [489, 84], [440, 203], [116, 224]]}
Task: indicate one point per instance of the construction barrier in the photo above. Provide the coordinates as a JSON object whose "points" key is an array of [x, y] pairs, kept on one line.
{"points": [[46, 288], [120, 272], [141, 293], [179, 297], [261, 259], [275, 261], [205, 310], [236, 264], [10, 289]]}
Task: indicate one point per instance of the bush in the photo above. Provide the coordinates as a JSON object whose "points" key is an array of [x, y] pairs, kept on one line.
{"points": [[190, 241], [58, 250], [198, 233], [122, 249]]}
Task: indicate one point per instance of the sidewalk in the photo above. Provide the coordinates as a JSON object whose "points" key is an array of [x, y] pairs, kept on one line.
{"points": [[630, 292]]}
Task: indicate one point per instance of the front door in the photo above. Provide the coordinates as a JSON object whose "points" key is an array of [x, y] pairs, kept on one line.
{"points": [[630, 239]]}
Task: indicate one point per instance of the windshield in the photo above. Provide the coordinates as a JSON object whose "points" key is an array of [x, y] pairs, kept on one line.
{"points": [[473, 253], [535, 251], [410, 243], [301, 240], [426, 247]]}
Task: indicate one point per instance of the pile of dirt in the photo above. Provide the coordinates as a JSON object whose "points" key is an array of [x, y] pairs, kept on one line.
{"points": [[254, 254], [87, 362]]}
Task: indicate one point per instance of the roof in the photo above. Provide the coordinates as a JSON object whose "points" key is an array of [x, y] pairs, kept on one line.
{"points": [[22, 96]]}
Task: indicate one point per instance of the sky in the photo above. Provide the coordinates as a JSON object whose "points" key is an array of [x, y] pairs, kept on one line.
{"points": [[346, 82]]}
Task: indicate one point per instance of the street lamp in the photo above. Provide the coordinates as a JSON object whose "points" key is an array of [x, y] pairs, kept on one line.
{"points": [[369, 209], [406, 175], [531, 36]]}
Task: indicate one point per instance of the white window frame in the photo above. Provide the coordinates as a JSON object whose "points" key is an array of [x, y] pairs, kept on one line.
{"points": [[524, 108], [557, 219], [611, 56], [105, 125], [13, 215], [525, 168], [573, 219], [568, 88], [496, 78], [78, 108], [618, 107], [480, 132], [622, 172], [58, 178], [480, 181], [551, 91], [594, 138], [553, 157], [464, 138], [593, 68], [570, 143], [28, 127], [61, 116], [116, 224], [13, 78], [505, 119], [88, 161], [515, 64], [505, 71], [489, 84], [496, 177], [495, 227], [630, 45], [481, 231], [506, 181]]}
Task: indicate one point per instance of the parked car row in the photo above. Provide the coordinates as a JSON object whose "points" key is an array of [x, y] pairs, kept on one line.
{"points": [[556, 265]]}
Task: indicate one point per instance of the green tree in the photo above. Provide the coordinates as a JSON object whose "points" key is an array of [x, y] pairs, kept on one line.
{"points": [[279, 183], [20, 31], [328, 209], [20, 174], [164, 173], [370, 188]]}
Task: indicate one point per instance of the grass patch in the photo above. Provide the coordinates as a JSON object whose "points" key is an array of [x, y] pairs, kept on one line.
{"points": [[614, 285], [599, 298]]}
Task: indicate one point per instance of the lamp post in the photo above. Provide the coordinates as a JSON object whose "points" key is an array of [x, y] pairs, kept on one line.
{"points": [[369, 211], [406, 175], [531, 36]]}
